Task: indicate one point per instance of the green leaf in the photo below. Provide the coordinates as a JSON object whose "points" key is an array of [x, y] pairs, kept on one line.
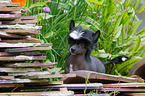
{"points": [[118, 32], [94, 23], [128, 41], [126, 3], [43, 16], [136, 45], [49, 34], [101, 53], [118, 23], [38, 4], [97, 2], [141, 32], [135, 27], [141, 8], [55, 69], [136, 4]]}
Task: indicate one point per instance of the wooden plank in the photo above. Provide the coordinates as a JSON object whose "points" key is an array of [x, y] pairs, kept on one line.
{"points": [[29, 73], [5, 54], [27, 21], [25, 40], [13, 45], [17, 50], [48, 76], [8, 9], [52, 83], [137, 85], [30, 64], [37, 53], [10, 5], [49, 93], [24, 53], [102, 76], [118, 89], [25, 27], [22, 58], [9, 17], [11, 85], [78, 86], [6, 77], [93, 94], [134, 94], [21, 32], [18, 21], [27, 17], [5, 35], [22, 81], [4, 1], [17, 69]]}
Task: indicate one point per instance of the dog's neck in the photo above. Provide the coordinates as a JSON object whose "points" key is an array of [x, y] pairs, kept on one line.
{"points": [[87, 56], [79, 61]]}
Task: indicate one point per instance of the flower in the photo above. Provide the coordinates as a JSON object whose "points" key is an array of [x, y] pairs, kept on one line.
{"points": [[88, 20], [46, 9], [22, 2]]}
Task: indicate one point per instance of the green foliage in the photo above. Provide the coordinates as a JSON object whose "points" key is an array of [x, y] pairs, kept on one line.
{"points": [[118, 27]]}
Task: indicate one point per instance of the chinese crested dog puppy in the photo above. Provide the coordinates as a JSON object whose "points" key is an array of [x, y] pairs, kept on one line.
{"points": [[82, 42]]}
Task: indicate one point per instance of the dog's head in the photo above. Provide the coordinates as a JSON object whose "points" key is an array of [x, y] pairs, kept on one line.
{"points": [[81, 39]]}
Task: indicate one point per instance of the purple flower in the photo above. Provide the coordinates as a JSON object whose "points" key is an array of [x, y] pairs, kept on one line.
{"points": [[46, 9], [88, 20]]}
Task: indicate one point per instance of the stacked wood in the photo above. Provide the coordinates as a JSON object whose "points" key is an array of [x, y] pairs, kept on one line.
{"points": [[62, 92], [120, 85], [14, 28], [22, 58], [98, 77]]}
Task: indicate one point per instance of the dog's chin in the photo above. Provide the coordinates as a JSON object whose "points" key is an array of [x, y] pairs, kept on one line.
{"points": [[73, 53]]}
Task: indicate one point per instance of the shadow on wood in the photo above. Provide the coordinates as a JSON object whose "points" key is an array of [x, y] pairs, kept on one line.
{"points": [[138, 69]]}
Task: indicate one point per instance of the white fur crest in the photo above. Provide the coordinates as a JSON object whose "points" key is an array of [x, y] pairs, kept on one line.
{"points": [[76, 35]]}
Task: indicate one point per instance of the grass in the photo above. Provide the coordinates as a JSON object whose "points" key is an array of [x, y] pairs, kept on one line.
{"points": [[118, 27]]}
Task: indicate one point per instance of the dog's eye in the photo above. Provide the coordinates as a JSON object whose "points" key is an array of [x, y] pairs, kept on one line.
{"points": [[71, 41]]}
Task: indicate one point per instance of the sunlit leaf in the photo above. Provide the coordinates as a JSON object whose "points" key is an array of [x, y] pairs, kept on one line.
{"points": [[141, 8], [118, 32], [55, 69], [127, 3], [97, 2], [49, 34], [136, 45], [136, 4], [43, 16], [118, 23], [141, 32], [135, 27], [38, 4]]}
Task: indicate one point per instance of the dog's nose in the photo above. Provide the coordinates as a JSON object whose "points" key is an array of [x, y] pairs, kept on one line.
{"points": [[72, 50]]}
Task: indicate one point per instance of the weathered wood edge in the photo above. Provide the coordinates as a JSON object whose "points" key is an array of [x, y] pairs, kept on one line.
{"points": [[14, 45]]}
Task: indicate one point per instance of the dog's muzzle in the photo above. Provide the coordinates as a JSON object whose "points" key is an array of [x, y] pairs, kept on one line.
{"points": [[72, 51]]}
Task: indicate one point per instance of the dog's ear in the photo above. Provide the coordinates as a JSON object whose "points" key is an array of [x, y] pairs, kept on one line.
{"points": [[72, 24], [96, 36]]}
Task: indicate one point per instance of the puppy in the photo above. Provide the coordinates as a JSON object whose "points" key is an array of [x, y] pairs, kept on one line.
{"points": [[82, 42]]}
